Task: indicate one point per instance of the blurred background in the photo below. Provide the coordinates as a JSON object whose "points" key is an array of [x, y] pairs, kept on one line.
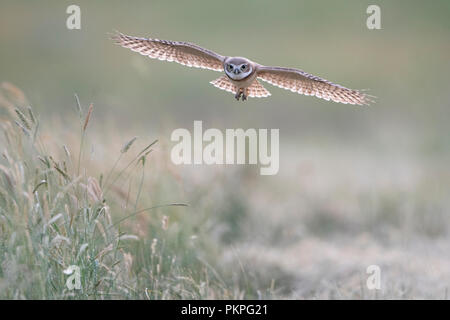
{"points": [[357, 186]]}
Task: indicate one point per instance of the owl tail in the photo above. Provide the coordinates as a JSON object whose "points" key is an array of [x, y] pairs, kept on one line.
{"points": [[255, 90], [225, 84]]}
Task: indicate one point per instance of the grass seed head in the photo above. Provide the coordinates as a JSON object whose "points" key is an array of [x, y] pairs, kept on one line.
{"points": [[88, 116], [128, 145]]}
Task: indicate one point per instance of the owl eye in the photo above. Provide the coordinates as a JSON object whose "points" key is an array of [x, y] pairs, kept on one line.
{"points": [[230, 67], [243, 67]]}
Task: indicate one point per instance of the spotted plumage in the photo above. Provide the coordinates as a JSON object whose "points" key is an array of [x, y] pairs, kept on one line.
{"points": [[241, 74]]}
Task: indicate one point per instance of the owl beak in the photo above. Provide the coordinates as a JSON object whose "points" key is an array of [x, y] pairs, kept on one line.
{"points": [[236, 71]]}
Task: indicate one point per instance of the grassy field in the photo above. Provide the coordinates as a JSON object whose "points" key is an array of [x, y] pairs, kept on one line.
{"points": [[86, 179], [113, 206], [59, 208]]}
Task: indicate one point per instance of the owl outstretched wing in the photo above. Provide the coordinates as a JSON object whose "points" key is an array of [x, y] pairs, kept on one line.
{"points": [[301, 82], [185, 53]]}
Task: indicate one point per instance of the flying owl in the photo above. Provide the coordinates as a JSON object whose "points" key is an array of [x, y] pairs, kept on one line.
{"points": [[241, 74]]}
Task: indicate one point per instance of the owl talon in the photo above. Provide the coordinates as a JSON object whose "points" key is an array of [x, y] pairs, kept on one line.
{"points": [[240, 94]]}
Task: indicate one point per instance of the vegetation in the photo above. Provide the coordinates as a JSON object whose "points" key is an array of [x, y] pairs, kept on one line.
{"points": [[54, 214]]}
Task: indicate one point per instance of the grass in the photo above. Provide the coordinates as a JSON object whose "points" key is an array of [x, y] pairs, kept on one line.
{"points": [[73, 192], [55, 214]]}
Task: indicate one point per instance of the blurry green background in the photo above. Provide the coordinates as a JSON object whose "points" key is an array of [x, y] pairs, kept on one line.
{"points": [[405, 64], [372, 177]]}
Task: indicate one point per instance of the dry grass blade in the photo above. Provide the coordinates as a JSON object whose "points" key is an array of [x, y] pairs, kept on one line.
{"points": [[147, 147], [42, 182], [80, 111], [66, 151], [88, 116], [138, 157], [24, 130], [65, 175], [23, 119], [148, 209], [31, 114]]}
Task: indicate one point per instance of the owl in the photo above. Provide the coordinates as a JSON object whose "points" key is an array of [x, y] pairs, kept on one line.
{"points": [[241, 75]]}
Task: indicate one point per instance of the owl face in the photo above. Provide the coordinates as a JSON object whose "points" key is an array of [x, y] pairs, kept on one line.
{"points": [[238, 68]]}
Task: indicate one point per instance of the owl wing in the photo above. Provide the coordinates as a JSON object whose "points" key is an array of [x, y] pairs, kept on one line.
{"points": [[185, 53], [304, 83]]}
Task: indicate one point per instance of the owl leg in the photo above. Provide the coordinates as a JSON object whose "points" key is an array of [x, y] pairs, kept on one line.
{"points": [[238, 94], [244, 94]]}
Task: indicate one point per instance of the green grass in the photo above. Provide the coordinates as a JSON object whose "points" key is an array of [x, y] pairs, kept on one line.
{"points": [[74, 191], [54, 213]]}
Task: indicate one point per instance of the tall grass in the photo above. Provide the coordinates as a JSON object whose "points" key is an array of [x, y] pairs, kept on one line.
{"points": [[55, 214]]}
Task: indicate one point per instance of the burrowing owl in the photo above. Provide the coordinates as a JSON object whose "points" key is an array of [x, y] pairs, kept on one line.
{"points": [[241, 75]]}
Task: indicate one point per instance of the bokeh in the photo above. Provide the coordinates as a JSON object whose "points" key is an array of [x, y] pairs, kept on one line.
{"points": [[357, 186]]}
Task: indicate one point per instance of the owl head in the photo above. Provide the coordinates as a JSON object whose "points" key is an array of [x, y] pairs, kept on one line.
{"points": [[238, 68]]}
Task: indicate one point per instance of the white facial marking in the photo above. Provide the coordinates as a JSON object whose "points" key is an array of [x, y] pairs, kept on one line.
{"points": [[238, 71]]}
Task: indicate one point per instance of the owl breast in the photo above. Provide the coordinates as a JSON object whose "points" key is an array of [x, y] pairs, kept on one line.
{"points": [[245, 82]]}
